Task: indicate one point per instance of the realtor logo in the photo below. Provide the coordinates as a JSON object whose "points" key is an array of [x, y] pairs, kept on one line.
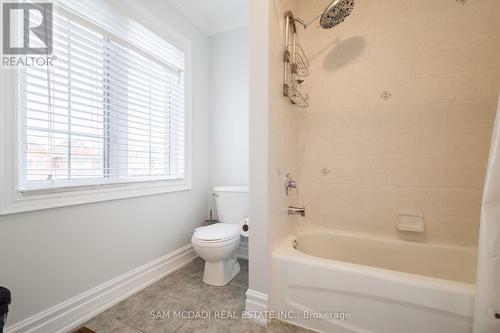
{"points": [[27, 28], [27, 34]]}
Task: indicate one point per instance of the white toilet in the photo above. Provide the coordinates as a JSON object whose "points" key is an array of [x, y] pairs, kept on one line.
{"points": [[217, 244]]}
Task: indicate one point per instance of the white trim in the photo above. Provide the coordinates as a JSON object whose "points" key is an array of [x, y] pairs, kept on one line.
{"points": [[256, 306], [227, 24], [72, 313], [208, 27], [198, 20]]}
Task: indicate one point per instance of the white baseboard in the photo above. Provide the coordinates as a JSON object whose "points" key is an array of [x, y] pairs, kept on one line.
{"points": [[72, 313], [256, 306]]}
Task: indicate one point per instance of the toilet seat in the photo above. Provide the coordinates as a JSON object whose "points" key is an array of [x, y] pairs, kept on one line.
{"points": [[216, 244], [216, 233]]}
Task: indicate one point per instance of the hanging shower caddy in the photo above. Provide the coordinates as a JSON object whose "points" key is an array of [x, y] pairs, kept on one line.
{"points": [[296, 65]]}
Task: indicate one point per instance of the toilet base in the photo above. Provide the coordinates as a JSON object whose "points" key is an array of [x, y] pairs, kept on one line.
{"points": [[220, 273]]}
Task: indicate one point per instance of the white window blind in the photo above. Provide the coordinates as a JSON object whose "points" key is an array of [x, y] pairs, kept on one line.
{"points": [[107, 111]]}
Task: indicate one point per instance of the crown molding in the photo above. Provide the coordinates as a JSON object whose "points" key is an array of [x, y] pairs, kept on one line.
{"points": [[199, 21], [207, 26]]}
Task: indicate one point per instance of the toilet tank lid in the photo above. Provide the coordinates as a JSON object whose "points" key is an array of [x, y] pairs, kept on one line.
{"points": [[216, 231], [231, 189]]}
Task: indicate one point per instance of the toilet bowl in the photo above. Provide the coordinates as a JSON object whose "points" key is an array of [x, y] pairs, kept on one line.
{"points": [[218, 243]]}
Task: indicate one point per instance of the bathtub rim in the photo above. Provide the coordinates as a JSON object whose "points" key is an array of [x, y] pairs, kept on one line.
{"points": [[286, 249], [450, 298]]}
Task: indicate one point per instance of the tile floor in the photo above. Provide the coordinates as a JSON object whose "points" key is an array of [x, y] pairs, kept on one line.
{"points": [[184, 290]]}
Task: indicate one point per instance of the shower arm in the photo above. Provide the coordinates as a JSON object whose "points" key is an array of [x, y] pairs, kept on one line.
{"points": [[306, 24]]}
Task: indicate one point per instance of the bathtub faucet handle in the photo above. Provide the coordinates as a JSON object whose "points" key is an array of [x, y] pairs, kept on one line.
{"points": [[292, 210], [290, 184]]}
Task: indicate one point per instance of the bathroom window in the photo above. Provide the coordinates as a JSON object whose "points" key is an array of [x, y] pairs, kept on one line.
{"points": [[110, 119], [108, 111]]}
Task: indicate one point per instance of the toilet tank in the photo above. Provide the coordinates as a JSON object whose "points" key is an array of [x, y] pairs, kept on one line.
{"points": [[232, 203]]}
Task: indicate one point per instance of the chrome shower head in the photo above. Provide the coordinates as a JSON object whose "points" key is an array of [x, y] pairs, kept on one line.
{"points": [[335, 13]]}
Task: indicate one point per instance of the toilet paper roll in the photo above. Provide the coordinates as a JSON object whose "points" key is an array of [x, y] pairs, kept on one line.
{"points": [[244, 227]]}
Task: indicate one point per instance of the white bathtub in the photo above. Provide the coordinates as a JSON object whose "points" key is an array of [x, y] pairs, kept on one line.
{"points": [[387, 286]]}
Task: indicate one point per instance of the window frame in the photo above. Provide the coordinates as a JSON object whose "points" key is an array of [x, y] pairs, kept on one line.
{"points": [[12, 200]]}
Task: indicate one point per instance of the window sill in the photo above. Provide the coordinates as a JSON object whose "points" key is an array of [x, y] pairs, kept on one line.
{"points": [[22, 202], [94, 184]]}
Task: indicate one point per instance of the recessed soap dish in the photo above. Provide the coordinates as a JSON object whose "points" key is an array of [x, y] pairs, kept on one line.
{"points": [[410, 222]]}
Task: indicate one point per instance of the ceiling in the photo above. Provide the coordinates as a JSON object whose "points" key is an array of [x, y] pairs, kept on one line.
{"points": [[214, 16]]}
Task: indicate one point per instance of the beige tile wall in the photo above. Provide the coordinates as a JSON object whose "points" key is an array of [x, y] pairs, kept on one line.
{"points": [[425, 149], [283, 128]]}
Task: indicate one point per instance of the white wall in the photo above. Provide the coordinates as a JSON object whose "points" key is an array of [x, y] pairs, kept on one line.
{"points": [[273, 137], [259, 83], [49, 256], [229, 151], [229, 108]]}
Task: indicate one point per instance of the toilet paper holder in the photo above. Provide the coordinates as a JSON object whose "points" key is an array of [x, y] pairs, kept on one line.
{"points": [[244, 227]]}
